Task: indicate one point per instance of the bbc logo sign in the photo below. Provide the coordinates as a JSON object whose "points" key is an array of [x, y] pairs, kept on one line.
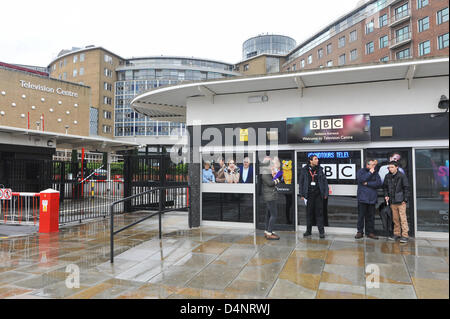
{"points": [[328, 124], [339, 171]]}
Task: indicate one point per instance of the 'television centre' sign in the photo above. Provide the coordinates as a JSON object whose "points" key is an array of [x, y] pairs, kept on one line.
{"points": [[44, 88], [328, 129]]}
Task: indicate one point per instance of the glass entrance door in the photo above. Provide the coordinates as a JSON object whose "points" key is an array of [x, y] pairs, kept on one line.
{"points": [[284, 162], [404, 157]]}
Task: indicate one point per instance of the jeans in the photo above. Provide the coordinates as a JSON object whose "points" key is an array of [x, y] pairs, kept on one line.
{"points": [[314, 207], [271, 214], [366, 212]]}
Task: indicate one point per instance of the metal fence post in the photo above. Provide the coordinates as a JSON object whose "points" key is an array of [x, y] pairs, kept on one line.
{"points": [[111, 232], [161, 198]]}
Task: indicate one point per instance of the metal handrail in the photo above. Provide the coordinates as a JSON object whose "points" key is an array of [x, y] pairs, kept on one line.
{"points": [[159, 213]]}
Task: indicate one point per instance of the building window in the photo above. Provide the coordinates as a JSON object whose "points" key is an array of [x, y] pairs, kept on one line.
{"points": [[383, 20], [329, 48], [442, 16], [341, 42], [353, 55], [107, 100], [353, 36], [330, 63], [310, 59], [294, 67], [107, 86], [404, 54], [75, 58], [108, 73], [82, 55], [384, 41], [75, 73], [65, 76], [424, 24], [369, 27], [342, 59], [422, 3], [81, 71], [401, 11], [107, 115], [303, 63], [402, 34], [443, 41], [65, 62], [424, 48], [369, 47], [246, 67], [106, 129], [54, 67], [60, 64], [320, 53], [108, 59], [384, 59]]}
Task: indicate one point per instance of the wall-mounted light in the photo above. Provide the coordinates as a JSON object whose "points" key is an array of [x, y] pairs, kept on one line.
{"points": [[13, 104], [443, 103], [75, 122], [42, 99], [59, 120], [59, 102], [2, 113], [33, 107], [51, 110], [67, 112], [76, 105], [24, 96], [50, 143], [3, 93], [22, 115]]}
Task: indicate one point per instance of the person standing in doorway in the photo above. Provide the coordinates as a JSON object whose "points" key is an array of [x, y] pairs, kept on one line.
{"points": [[368, 182], [269, 196], [313, 188], [396, 191]]}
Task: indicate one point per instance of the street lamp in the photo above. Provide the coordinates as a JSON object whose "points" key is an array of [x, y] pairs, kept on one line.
{"points": [[67, 128]]}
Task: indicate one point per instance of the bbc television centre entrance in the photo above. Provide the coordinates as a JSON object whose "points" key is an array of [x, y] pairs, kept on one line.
{"points": [[343, 115]]}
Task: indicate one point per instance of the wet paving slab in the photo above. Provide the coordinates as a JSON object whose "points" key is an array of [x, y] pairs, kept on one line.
{"points": [[214, 262]]}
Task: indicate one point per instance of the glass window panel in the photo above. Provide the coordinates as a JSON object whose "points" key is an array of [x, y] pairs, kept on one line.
{"points": [[432, 180]]}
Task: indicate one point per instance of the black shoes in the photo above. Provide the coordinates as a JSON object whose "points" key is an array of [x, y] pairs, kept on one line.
{"points": [[403, 240], [359, 235], [322, 235], [307, 234]]}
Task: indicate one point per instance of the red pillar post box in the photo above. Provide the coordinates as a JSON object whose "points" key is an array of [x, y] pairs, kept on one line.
{"points": [[49, 211]]}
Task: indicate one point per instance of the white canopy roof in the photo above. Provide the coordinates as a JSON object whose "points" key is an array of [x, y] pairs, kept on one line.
{"points": [[169, 103], [68, 141]]}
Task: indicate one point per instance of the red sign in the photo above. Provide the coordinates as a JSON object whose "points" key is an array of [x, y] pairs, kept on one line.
{"points": [[5, 193]]}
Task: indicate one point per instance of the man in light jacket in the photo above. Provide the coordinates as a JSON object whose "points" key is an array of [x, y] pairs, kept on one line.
{"points": [[368, 182]]}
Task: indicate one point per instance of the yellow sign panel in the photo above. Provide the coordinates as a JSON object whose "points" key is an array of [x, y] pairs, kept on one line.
{"points": [[244, 135]]}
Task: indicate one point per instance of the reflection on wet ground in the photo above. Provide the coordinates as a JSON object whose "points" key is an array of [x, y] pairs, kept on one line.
{"points": [[212, 262]]}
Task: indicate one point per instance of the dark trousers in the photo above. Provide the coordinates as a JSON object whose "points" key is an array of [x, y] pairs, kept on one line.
{"points": [[366, 215], [314, 208], [271, 214]]}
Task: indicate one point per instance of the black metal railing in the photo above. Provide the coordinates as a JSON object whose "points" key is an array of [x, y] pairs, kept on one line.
{"points": [[164, 199]]}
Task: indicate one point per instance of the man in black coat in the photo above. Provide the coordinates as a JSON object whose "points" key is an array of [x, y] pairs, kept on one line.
{"points": [[396, 192], [368, 182], [314, 188]]}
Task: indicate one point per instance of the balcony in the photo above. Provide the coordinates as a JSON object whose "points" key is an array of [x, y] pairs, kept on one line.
{"points": [[392, 2], [400, 17], [400, 40]]}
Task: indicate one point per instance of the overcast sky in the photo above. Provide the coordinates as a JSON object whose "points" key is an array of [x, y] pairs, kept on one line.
{"points": [[33, 32]]}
